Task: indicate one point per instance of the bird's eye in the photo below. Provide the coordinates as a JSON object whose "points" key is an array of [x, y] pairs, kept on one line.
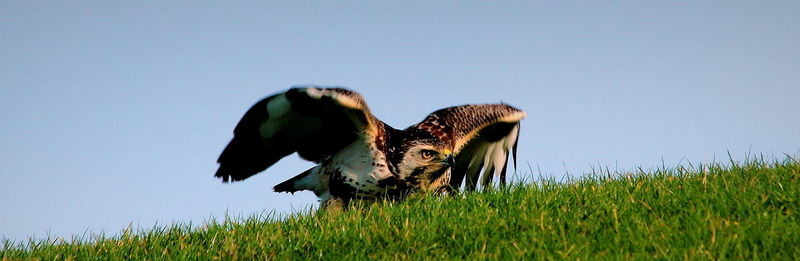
{"points": [[428, 154]]}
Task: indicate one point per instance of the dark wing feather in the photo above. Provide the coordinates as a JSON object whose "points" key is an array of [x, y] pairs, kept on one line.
{"points": [[481, 137], [313, 122]]}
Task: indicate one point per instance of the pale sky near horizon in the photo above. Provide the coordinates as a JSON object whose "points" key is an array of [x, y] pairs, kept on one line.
{"points": [[114, 112]]}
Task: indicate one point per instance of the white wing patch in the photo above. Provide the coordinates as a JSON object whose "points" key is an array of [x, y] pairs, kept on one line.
{"points": [[489, 158], [278, 108], [280, 112], [497, 156]]}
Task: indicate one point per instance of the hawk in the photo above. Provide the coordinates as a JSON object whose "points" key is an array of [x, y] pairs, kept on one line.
{"points": [[361, 157]]}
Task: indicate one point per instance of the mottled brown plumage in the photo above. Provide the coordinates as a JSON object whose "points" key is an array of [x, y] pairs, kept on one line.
{"points": [[360, 156]]}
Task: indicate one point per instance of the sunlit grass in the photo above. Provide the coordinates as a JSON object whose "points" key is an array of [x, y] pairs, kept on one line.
{"points": [[737, 210]]}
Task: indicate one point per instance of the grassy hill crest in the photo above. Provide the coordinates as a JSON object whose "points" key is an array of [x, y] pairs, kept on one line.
{"points": [[735, 210]]}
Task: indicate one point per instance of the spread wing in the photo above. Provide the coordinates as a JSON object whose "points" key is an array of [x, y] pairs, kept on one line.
{"points": [[481, 135], [314, 122]]}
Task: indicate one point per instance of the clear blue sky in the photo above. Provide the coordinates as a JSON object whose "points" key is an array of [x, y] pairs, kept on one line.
{"points": [[114, 112]]}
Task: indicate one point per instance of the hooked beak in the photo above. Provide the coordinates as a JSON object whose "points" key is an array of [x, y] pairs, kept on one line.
{"points": [[449, 160]]}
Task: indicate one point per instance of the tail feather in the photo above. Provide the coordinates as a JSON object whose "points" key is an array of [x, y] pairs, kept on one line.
{"points": [[291, 185]]}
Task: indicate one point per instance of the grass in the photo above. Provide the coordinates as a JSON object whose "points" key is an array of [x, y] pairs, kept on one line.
{"points": [[745, 210]]}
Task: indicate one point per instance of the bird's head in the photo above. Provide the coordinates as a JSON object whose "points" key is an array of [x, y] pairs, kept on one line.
{"points": [[423, 162]]}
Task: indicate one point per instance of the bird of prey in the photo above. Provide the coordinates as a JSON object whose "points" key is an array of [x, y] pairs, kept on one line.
{"points": [[361, 157]]}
